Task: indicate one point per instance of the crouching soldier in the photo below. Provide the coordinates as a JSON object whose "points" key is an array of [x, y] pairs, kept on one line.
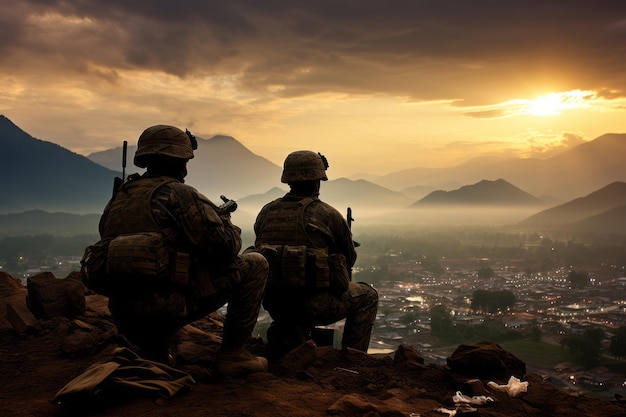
{"points": [[310, 250], [172, 257]]}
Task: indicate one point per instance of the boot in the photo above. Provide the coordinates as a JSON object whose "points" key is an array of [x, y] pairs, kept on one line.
{"points": [[284, 337], [239, 362]]}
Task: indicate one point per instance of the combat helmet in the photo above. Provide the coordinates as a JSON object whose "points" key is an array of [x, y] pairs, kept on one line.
{"points": [[164, 140], [304, 166]]}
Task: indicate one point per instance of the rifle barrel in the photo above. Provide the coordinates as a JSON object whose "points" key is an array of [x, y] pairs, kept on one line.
{"points": [[124, 151]]}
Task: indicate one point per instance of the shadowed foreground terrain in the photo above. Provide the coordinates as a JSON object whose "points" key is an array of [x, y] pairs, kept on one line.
{"points": [[41, 357]]}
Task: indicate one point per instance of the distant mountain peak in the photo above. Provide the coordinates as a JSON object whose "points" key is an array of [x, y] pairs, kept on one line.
{"points": [[48, 176], [10, 132], [597, 202], [484, 192], [223, 138]]}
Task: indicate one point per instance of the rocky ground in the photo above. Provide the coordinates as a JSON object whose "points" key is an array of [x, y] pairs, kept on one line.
{"points": [[41, 355]]}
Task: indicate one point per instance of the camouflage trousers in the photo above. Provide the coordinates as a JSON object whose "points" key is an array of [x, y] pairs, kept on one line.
{"points": [[244, 295], [149, 317], [358, 305]]}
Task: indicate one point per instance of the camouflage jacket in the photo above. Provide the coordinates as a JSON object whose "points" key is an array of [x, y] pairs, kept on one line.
{"points": [[320, 225], [189, 221]]}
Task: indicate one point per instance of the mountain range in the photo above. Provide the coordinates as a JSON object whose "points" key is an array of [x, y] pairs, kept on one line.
{"points": [[596, 205], [47, 177], [568, 175]]}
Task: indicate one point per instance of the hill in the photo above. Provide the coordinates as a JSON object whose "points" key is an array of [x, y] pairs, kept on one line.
{"points": [[51, 350], [364, 197], [37, 222], [484, 193], [221, 165], [42, 175], [610, 222], [568, 175], [595, 203]]}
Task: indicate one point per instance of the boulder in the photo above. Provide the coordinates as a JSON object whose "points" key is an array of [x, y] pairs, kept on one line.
{"points": [[486, 360], [12, 293], [49, 296]]}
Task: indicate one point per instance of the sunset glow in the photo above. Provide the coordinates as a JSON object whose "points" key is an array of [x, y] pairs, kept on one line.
{"points": [[376, 87], [554, 103]]}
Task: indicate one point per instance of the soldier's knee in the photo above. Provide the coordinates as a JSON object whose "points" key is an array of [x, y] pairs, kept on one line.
{"points": [[256, 263], [369, 290], [257, 259]]}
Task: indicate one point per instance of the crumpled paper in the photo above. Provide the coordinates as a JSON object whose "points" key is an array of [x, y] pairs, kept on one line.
{"points": [[514, 387]]}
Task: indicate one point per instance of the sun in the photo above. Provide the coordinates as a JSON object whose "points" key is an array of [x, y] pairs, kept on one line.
{"points": [[548, 105], [554, 103]]}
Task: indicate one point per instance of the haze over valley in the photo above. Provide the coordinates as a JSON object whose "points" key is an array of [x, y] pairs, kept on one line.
{"points": [[501, 192]]}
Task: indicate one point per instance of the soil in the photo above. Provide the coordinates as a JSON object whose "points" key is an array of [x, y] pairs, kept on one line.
{"points": [[324, 381]]}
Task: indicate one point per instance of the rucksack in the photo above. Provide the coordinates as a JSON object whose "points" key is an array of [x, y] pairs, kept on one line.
{"points": [[138, 256]]}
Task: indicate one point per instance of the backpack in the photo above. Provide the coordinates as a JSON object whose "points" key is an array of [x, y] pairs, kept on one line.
{"points": [[138, 256]]}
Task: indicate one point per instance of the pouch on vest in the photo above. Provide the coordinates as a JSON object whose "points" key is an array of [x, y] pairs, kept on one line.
{"points": [[318, 272], [181, 263], [273, 254], [138, 254], [293, 269], [297, 266], [93, 267]]}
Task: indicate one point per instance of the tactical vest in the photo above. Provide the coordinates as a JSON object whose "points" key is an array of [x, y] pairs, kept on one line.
{"points": [[295, 261], [285, 223], [130, 210], [132, 246]]}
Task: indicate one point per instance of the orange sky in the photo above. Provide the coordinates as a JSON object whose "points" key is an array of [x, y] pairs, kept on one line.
{"points": [[375, 86]]}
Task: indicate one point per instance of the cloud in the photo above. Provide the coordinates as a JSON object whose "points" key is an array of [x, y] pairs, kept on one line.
{"points": [[389, 78], [424, 50], [545, 146]]}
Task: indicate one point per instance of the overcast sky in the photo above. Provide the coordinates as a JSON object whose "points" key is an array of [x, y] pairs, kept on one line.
{"points": [[377, 86]]}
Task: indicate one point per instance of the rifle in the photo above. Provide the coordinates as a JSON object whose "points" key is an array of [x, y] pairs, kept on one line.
{"points": [[350, 219], [228, 207], [117, 182]]}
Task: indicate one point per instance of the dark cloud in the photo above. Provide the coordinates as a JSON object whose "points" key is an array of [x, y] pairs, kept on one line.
{"points": [[447, 49]]}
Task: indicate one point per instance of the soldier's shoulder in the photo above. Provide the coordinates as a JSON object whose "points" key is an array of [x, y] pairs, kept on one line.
{"points": [[322, 205]]}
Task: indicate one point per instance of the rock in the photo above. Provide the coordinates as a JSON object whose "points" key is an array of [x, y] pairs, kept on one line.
{"points": [[298, 359], [49, 296], [354, 404], [12, 292], [9, 285], [408, 356], [21, 318], [487, 361], [193, 353], [80, 343]]}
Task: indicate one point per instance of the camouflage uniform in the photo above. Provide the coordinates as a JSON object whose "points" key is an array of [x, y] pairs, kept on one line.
{"points": [[148, 313], [306, 220]]}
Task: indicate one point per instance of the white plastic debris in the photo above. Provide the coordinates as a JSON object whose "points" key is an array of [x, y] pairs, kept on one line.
{"points": [[459, 398], [514, 387], [442, 410]]}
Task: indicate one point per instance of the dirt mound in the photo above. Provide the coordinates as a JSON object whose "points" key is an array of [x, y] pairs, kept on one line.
{"points": [[311, 381]]}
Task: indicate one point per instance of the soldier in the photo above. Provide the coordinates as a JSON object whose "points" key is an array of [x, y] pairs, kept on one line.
{"points": [[201, 248], [310, 250]]}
